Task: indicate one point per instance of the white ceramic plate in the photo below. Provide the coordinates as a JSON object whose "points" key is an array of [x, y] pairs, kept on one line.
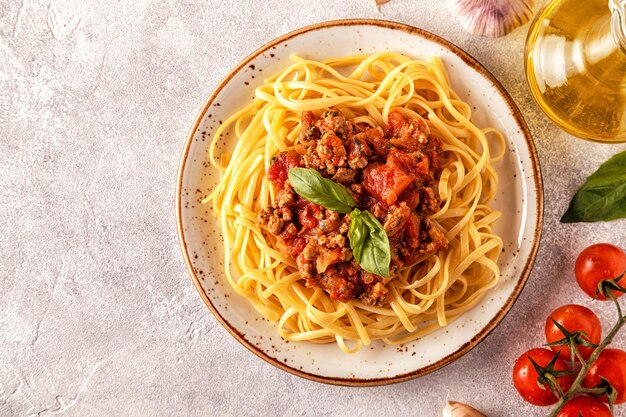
{"points": [[520, 199]]}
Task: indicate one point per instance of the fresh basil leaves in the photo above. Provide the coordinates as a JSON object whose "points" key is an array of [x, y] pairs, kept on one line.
{"points": [[603, 196], [310, 185], [368, 239], [369, 243]]}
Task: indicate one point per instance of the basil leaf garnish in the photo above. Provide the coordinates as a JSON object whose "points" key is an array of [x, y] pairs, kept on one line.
{"points": [[310, 185], [603, 196], [368, 239], [369, 243], [357, 234]]}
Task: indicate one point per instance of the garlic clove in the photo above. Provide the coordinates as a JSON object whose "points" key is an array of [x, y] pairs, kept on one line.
{"points": [[455, 409], [491, 17]]}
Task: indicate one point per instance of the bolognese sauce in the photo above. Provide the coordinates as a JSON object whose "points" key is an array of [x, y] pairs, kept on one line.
{"points": [[393, 173]]}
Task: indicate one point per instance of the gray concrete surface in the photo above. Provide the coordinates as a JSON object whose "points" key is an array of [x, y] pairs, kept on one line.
{"points": [[98, 316]]}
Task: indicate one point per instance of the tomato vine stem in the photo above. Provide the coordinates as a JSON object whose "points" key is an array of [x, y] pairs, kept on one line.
{"points": [[576, 387]]}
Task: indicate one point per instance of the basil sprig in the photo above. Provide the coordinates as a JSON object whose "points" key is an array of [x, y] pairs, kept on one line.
{"points": [[369, 243], [310, 185], [368, 239], [603, 196]]}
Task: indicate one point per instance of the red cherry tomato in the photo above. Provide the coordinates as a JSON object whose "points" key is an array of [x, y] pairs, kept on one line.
{"points": [[574, 318], [611, 364], [525, 377], [597, 263], [585, 407]]}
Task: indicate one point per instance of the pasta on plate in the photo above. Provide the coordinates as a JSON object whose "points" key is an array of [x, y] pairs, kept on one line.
{"points": [[369, 90]]}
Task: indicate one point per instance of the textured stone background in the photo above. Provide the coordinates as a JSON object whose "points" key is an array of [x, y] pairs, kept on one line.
{"points": [[98, 316]]}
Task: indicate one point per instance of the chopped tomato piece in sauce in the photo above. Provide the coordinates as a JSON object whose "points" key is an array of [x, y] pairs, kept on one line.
{"points": [[279, 169], [386, 182]]}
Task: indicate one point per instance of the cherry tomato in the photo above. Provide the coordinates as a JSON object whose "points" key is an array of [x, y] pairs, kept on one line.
{"points": [[574, 318], [597, 263], [525, 377], [585, 407], [611, 364]]}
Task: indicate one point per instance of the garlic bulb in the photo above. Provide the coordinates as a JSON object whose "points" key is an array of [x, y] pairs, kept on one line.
{"points": [[455, 409], [491, 17]]}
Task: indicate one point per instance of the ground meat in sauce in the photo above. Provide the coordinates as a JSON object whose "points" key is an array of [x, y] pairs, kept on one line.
{"points": [[392, 173]]}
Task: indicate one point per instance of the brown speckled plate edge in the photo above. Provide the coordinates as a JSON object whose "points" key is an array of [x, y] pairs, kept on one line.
{"points": [[469, 60]]}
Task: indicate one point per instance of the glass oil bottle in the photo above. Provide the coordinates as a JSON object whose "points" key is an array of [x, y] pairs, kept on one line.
{"points": [[576, 67]]}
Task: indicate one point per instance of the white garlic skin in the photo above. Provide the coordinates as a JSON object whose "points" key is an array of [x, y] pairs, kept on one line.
{"points": [[456, 409], [491, 18]]}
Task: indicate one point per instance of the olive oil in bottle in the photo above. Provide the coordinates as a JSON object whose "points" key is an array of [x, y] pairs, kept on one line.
{"points": [[576, 67]]}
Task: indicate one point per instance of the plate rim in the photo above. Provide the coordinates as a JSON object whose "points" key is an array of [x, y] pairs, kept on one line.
{"points": [[525, 273]]}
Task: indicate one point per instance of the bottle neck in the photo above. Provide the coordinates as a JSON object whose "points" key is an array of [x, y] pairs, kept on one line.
{"points": [[603, 51], [618, 22]]}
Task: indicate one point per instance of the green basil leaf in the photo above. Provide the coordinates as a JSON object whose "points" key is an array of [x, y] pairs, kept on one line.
{"points": [[369, 243], [310, 185], [357, 234], [603, 196]]}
